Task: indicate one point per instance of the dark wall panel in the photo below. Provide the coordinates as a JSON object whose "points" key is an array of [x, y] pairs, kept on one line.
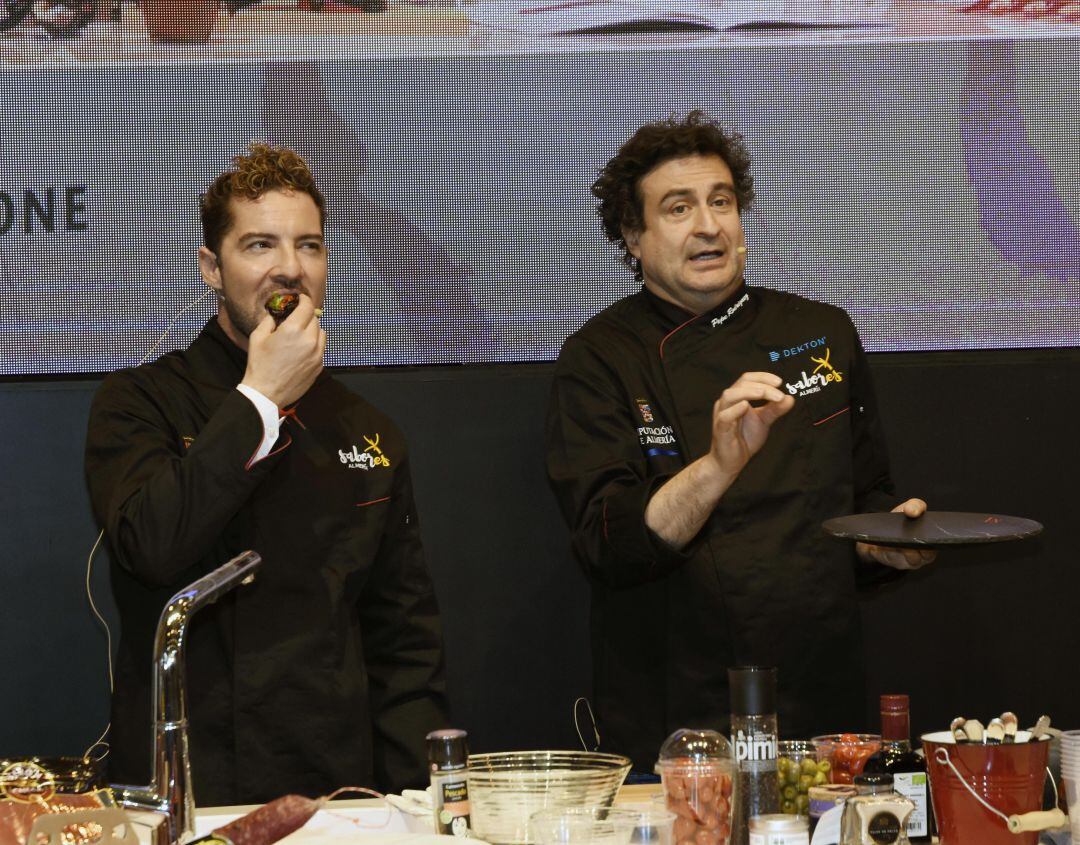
{"points": [[55, 692], [988, 628], [985, 629]]}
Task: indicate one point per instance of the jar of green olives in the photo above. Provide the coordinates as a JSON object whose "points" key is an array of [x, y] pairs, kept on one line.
{"points": [[798, 769]]}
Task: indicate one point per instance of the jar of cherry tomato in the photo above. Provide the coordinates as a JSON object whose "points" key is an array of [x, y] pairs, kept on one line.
{"points": [[845, 753]]}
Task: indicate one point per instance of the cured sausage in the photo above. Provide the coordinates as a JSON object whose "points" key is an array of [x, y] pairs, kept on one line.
{"points": [[270, 822], [277, 819]]}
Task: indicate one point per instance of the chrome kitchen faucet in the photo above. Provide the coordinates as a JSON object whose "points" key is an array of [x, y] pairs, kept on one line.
{"points": [[170, 792]]}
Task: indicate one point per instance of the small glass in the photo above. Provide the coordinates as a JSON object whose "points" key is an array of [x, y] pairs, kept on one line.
{"points": [[798, 770], [650, 823], [601, 826]]}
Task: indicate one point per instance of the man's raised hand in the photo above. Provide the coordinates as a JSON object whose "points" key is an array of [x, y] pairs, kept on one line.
{"points": [[284, 360], [742, 417]]}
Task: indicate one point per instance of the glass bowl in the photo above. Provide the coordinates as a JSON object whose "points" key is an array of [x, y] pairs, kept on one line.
{"points": [[845, 753], [506, 788]]}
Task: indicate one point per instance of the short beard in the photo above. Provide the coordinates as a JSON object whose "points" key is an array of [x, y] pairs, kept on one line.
{"points": [[243, 323]]}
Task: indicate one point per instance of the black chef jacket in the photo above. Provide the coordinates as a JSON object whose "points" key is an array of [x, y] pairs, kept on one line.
{"points": [[761, 584], [327, 670]]}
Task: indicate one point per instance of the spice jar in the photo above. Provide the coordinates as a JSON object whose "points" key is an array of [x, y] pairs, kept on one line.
{"points": [[779, 829], [696, 769], [448, 756]]}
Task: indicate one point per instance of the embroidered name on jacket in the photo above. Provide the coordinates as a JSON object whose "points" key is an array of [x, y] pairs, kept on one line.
{"points": [[823, 375], [370, 458], [658, 440], [731, 311]]}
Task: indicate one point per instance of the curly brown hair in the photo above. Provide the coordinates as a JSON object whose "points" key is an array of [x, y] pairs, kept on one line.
{"points": [[264, 169], [619, 184]]}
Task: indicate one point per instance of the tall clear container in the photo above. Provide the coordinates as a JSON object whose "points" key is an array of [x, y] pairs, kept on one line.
{"points": [[754, 738], [696, 769]]}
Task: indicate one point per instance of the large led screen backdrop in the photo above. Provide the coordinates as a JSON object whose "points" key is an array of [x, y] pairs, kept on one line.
{"points": [[916, 163]]}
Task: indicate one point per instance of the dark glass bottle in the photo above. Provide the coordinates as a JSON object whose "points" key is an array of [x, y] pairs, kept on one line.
{"points": [[908, 769]]}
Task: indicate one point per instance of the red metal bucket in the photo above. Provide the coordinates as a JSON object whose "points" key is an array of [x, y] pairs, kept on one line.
{"points": [[1010, 778]]}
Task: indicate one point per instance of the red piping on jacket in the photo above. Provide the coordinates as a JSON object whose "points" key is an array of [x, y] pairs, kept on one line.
{"points": [[291, 414], [838, 413], [670, 333], [251, 461]]}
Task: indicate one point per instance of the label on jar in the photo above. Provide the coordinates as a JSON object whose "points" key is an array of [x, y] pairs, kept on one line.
{"points": [[824, 798], [913, 785], [451, 806], [884, 828], [755, 752]]}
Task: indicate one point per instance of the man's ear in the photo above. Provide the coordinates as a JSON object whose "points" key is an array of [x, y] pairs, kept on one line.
{"points": [[632, 237], [210, 270]]}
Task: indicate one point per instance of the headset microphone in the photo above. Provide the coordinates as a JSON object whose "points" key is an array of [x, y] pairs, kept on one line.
{"points": [[741, 250]]}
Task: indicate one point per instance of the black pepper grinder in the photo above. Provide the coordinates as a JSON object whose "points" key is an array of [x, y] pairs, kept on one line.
{"points": [[753, 738]]}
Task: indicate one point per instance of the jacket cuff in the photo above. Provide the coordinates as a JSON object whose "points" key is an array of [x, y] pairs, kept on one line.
{"points": [[271, 421], [231, 439]]}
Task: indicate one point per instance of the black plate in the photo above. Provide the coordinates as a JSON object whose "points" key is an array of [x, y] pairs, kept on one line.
{"points": [[933, 528]]}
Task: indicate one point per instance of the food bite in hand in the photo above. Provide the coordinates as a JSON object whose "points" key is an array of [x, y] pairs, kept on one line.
{"points": [[282, 304]]}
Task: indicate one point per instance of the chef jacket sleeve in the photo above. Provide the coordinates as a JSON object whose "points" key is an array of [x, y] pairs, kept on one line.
{"points": [[599, 475], [402, 636], [164, 504]]}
